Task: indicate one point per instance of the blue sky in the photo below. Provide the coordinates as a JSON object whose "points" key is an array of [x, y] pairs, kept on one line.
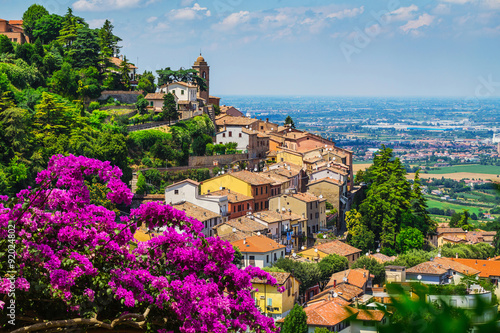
{"points": [[291, 47]]}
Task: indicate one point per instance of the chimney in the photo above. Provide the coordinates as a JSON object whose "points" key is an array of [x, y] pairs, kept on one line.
{"points": [[244, 240], [267, 120], [228, 190], [456, 256]]}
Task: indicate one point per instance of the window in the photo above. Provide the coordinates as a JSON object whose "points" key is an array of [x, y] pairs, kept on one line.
{"points": [[256, 206], [316, 204], [267, 258], [251, 260], [150, 103], [223, 135], [234, 209], [267, 204], [269, 302], [311, 205], [311, 216], [317, 215], [182, 92], [176, 192], [275, 258], [266, 189], [230, 134], [261, 190], [239, 135]]}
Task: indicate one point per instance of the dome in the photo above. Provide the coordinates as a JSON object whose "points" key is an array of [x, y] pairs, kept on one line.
{"points": [[200, 59]]}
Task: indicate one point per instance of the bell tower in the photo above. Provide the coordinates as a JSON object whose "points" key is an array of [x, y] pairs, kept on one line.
{"points": [[203, 69]]}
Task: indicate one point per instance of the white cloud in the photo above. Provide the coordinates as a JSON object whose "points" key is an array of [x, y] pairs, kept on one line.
{"points": [[151, 19], [189, 13], [347, 13], [441, 9], [97, 23], [493, 4], [233, 20], [106, 5], [403, 13], [413, 25]]}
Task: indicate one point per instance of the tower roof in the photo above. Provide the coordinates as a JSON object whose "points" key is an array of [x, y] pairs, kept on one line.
{"points": [[200, 61]]}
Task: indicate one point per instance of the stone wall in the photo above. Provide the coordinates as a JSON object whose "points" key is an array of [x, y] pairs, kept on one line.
{"points": [[206, 161], [128, 97]]}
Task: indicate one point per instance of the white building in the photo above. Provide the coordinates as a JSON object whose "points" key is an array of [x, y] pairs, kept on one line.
{"points": [[181, 90], [187, 191], [328, 173], [234, 134], [259, 251]]}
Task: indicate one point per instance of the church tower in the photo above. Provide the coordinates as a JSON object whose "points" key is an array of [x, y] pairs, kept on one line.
{"points": [[203, 71]]}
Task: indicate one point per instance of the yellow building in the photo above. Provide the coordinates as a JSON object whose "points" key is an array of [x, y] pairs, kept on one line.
{"points": [[270, 301], [226, 181], [289, 156], [450, 235]]}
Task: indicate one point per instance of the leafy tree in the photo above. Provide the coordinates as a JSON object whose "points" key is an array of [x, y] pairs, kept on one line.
{"points": [[167, 75], [387, 199], [308, 274], [238, 257], [289, 121], [147, 82], [31, 16], [200, 143], [88, 85], [419, 206], [360, 175], [330, 264], [373, 266], [364, 239], [295, 321], [141, 105], [6, 45], [124, 73], [169, 109], [321, 330], [460, 220], [65, 81], [141, 183], [108, 42], [70, 26], [84, 51], [47, 28], [409, 238]]}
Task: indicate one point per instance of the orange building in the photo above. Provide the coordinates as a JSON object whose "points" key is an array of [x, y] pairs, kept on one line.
{"points": [[14, 30], [238, 204]]}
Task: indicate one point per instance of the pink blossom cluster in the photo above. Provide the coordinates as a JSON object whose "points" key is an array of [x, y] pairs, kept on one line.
{"points": [[85, 257]]}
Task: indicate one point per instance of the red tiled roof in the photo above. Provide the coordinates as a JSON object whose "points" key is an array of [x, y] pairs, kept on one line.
{"points": [[370, 315], [257, 244], [486, 268], [449, 230], [118, 62], [428, 267], [356, 277], [279, 276], [326, 179], [185, 181], [251, 178], [231, 195], [456, 266], [337, 247], [327, 314]]}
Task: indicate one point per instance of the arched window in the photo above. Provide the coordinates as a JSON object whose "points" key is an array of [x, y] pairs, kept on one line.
{"points": [[204, 75]]}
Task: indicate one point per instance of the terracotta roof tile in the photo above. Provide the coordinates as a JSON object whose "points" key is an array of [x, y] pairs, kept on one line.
{"points": [[270, 216], [454, 239], [356, 277], [337, 247], [449, 230], [487, 268], [345, 291], [257, 244], [428, 267], [370, 315], [382, 258], [235, 236], [328, 180], [231, 195], [118, 62], [327, 314], [245, 224], [456, 266], [306, 197], [196, 212], [184, 181], [154, 96], [234, 121], [251, 178], [279, 276]]}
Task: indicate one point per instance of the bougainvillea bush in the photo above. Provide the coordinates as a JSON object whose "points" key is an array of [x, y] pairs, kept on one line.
{"points": [[76, 263]]}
